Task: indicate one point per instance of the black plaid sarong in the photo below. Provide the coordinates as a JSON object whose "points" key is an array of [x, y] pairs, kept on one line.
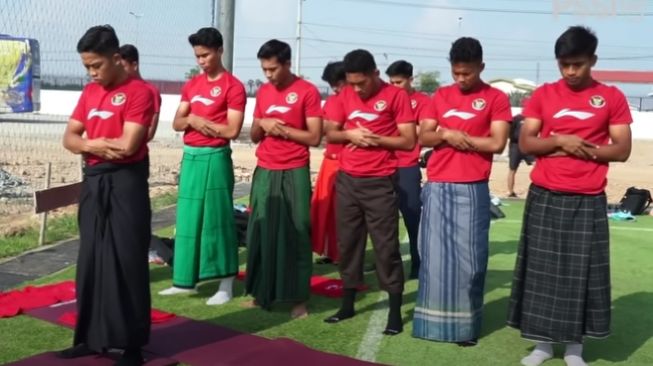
{"points": [[561, 283]]}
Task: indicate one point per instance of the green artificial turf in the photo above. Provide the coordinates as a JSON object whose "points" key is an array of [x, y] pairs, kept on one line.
{"points": [[630, 343]]}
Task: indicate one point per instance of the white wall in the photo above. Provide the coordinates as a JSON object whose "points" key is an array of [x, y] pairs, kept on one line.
{"points": [[62, 103]]}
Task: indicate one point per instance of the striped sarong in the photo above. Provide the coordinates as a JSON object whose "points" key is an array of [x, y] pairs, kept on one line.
{"points": [[279, 254], [561, 283], [453, 245], [205, 239]]}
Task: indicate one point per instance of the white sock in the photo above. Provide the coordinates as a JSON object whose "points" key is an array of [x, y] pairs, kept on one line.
{"points": [[224, 293], [541, 353], [574, 355], [177, 290]]}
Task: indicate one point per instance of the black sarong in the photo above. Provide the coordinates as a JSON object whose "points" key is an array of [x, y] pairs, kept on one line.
{"points": [[113, 293]]}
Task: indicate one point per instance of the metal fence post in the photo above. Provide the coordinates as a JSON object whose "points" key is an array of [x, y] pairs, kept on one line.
{"points": [[44, 216]]}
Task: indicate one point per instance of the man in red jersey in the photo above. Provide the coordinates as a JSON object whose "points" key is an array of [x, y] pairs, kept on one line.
{"points": [[109, 128], [575, 127], [374, 119], [287, 120], [400, 73], [323, 201], [210, 114], [468, 123], [130, 61]]}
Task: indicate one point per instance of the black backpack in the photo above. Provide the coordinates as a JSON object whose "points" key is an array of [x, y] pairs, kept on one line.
{"points": [[635, 200]]}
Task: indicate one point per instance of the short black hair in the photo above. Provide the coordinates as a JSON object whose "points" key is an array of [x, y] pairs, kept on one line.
{"points": [[359, 61], [208, 37], [576, 41], [400, 68], [129, 52], [100, 39], [275, 48], [466, 50], [334, 72]]}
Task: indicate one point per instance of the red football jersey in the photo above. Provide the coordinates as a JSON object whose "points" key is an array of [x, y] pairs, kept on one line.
{"points": [[156, 95], [293, 105], [332, 151], [471, 112], [104, 112], [587, 114], [418, 102], [380, 114], [211, 100]]}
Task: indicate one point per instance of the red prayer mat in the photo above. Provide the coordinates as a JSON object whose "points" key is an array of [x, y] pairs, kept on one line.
{"points": [[320, 285], [15, 302]]}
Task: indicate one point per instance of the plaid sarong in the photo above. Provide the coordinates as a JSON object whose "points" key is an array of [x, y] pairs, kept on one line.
{"points": [[561, 283]]}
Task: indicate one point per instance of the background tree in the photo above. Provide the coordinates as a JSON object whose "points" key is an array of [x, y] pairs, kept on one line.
{"points": [[192, 72], [517, 98], [427, 81]]}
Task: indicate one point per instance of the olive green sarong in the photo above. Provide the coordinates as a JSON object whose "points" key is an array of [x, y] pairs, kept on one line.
{"points": [[279, 258]]}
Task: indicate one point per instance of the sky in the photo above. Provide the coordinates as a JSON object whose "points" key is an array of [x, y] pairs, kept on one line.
{"points": [[517, 35]]}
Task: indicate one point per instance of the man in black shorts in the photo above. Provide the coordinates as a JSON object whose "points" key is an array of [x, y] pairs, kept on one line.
{"points": [[515, 155]]}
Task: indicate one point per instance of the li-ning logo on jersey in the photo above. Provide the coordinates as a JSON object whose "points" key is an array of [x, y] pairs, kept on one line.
{"points": [[597, 101], [413, 103], [291, 98], [380, 105], [201, 99], [456, 113], [118, 99], [277, 108], [98, 113], [369, 117], [216, 91], [479, 104], [566, 112]]}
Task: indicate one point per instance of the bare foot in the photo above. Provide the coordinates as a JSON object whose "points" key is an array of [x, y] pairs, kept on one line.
{"points": [[249, 304], [299, 311]]}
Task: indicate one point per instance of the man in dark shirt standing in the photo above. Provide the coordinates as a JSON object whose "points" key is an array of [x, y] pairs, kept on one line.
{"points": [[515, 156]]}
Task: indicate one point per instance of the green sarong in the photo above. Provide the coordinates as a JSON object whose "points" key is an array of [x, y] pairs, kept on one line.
{"points": [[205, 242], [279, 259]]}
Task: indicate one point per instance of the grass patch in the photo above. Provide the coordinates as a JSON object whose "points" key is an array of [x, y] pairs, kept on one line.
{"points": [[164, 200], [631, 342], [60, 228]]}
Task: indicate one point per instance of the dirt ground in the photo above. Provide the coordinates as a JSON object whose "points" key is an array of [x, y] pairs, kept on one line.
{"points": [[26, 161]]}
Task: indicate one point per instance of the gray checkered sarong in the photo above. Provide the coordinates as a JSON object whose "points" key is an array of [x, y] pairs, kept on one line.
{"points": [[561, 283]]}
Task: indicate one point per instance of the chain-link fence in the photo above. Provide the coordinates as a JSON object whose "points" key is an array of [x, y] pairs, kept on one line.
{"points": [[39, 63]]}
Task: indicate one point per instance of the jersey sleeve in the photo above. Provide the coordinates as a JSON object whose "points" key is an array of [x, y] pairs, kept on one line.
{"points": [[420, 110], [140, 107], [79, 113], [258, 109], [157, 98], [312, 107], [501, 108], [533, 108], [334, 109], [185, 91], [619, 109], [236, 97], [429, 111], [403, 111]]}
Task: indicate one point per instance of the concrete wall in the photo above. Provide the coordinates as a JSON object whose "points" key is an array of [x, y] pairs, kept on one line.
{"points": [[62, 103]]}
